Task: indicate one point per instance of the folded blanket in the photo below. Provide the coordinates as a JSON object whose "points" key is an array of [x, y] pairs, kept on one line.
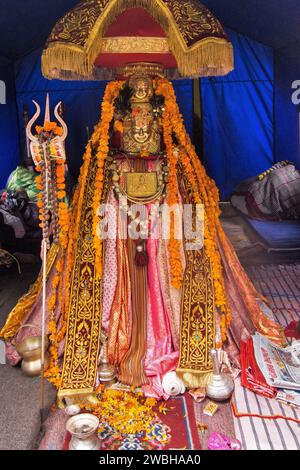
{"points": [[275, 195]]}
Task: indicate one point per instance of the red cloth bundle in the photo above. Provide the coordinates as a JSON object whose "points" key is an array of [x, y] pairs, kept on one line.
{"points": [[252, 377], [293, 330]]}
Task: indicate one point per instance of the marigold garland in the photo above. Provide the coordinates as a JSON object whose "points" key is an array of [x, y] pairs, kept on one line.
{"points": [[204, 190], [98, 143], [49, 127], [127, 413], [172, 199], [57, 186], [111, 92]]}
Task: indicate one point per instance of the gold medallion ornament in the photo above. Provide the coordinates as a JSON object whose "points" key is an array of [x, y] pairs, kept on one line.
{"points": [[141, 185]]}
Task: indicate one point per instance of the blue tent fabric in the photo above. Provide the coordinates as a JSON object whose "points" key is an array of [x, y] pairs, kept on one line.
{"points": [[237, 110], [25, 26], [9, 130], [238, 116], [81, 100], [238, 133], [240, 111], [287, 113]]}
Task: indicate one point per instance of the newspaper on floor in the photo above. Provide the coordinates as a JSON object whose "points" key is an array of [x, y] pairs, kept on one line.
{"points": [[291, 397], [280, 366]]}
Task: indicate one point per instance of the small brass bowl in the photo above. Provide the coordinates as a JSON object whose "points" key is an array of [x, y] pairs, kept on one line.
{"points": [[83, 429]]}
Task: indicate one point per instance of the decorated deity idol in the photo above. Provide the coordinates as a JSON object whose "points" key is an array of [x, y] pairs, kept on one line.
{"points": [[152, 297]]}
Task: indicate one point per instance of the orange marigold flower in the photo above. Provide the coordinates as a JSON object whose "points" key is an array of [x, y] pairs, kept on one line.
{"points": [[58, 131], [119, 126]]}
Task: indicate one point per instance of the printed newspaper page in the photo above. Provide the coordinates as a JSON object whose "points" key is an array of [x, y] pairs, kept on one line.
{"points": [[280, 366]]}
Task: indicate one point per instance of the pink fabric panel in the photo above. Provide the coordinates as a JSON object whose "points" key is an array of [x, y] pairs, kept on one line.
{"points": [[110, 274]]}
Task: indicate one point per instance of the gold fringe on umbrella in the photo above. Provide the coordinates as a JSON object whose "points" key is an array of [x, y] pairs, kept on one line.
{"points": [[211, 55]]}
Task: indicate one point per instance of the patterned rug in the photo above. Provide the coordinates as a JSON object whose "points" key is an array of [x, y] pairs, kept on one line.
{"points": [[177, 429], [280, 284]]}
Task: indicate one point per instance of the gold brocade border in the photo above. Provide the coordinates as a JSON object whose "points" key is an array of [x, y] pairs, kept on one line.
{"points": [[125, 45], [193, 61], [22, 309], [198, 321], [197, 337], [85, 310]]}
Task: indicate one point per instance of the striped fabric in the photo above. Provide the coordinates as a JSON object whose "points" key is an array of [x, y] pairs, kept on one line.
{"points": [[264, 424], [281, 286]]}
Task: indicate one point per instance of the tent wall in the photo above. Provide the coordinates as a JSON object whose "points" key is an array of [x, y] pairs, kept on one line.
{"points": [[9, 131], [287, 113], [238, 112], [238, 116], [82, 102]]}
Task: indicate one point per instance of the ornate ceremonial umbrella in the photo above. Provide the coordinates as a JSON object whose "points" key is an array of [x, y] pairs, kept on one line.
{"points": [[99, 37]]}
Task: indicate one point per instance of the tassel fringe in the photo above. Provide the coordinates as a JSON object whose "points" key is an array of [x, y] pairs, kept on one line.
{"points": [[211, 56], [194, 379]]}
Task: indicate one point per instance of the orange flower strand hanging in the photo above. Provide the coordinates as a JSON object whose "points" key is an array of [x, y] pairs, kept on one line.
{"points": [[62, 282], [204, 190]]}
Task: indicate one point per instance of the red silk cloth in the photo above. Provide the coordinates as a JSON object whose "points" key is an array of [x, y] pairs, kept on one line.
{"points": [[135, 22], [252, 377]]}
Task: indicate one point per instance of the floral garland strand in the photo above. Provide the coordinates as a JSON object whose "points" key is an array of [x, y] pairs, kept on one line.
{"points": [[111, 92], [62, 282], [204, 190], [172, 199], [53, 199]]}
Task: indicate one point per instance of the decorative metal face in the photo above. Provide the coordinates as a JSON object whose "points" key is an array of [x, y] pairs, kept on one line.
{"points": [[142, 86], [141, 124], [141, 129]]}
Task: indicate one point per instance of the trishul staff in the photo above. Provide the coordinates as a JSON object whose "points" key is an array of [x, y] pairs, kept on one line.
{"points": [[48, 153]]}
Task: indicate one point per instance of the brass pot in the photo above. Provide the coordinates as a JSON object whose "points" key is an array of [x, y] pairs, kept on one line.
{"points": [[30, 350], [220, 386], [33, 367]]}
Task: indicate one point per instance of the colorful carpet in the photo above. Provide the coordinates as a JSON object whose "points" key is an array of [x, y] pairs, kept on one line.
{"points": [[280, 284], [177, 429]]}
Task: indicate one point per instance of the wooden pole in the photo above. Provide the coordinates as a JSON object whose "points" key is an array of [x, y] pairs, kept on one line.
{"points": [[42, 383]]}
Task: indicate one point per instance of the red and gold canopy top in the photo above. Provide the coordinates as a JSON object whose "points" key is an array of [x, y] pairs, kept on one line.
{"points": [[99, 38]]}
